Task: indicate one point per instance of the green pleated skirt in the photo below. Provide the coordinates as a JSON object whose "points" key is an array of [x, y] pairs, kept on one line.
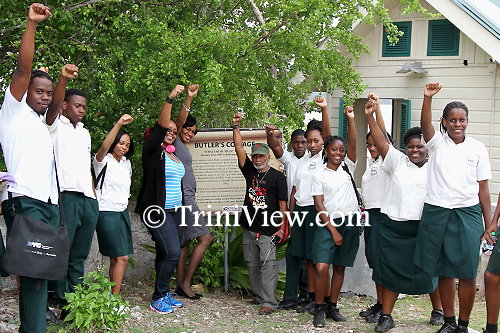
{"points": [[114, 234], [449, 240], [325, 250], [396, 249], [371, 235], [494, 263], [301, 242]]}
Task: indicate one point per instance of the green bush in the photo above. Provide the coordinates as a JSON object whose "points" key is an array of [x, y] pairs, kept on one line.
{"points": [[92, 308]]}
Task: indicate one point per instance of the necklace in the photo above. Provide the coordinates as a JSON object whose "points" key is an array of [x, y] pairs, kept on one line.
{"points": [[259, 180]]}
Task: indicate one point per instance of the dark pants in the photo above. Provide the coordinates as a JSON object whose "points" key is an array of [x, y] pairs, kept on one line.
{"points": [[168, 249], [80, 216], [33, 292], [296, 277]]}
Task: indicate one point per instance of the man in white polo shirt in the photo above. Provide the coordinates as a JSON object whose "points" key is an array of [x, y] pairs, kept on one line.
{"points": [[72, 151], [28, 153]]}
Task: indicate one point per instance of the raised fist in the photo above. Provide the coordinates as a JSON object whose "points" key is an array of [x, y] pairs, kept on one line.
{"points": [[237, 118], [269, 129], [193, 90], [320, 101], [177, 90], [369, 108], [373, 98], [38, 12], [432, 89], [70, 71], [349, 111], [125, 119]]}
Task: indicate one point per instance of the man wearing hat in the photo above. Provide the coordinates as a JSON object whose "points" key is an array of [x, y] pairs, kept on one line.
{"points": [[265, 195]]}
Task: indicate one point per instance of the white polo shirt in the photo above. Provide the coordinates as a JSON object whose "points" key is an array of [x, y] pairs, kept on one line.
{"points": [[116, 188], [406, 187], [290, 161], [373, 183], [454, 171], [337, 189], [28, 150], [304, 176], [72, 147]]}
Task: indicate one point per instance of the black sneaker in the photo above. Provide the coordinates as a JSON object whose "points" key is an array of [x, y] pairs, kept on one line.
{"points": [[461, 329], [288, 305], [373, 318], [487, 331], [319, 315], [437, 318], [333, 312], [370, 310], [385, 323], [309, 307], [51, 317], [447, 328]]}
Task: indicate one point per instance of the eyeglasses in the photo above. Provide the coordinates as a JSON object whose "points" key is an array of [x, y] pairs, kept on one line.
{"points": [[171, 130]]}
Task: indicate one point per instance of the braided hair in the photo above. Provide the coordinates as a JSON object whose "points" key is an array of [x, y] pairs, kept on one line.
{"points": [[447, 109]]}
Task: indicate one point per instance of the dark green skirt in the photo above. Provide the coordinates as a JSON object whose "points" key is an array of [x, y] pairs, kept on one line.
{"points": [[114, 234], [302, 237], [449, 240], [396, 249], [371, 236], [325, 250], [494, 263], [2, 250]]}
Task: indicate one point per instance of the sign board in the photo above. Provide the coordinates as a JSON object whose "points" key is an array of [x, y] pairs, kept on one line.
{"points": [[220, 182]]}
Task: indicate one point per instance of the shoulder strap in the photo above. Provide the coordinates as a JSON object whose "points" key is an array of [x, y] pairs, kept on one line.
{"points": [[358, 195], [61, 210]]}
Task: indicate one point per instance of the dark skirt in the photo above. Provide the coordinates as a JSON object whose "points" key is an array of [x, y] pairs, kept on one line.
{"points": [[190, 228], [396, 249], [494, 263], [302, 237], [2, 250], [114, 234], [371, 235], [449, 240], [325, 250]]}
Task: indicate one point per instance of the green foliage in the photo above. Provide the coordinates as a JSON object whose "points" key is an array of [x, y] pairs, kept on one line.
{"points": [[92, 308], [210, 272]]}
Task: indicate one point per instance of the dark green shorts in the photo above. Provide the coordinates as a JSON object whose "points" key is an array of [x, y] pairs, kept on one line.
{"points": [[449, 240], [494, 263], [114, 234], [371, 235], [325, 250], [396, 249]]}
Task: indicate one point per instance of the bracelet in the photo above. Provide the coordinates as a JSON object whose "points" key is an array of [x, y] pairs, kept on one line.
{"points": [[185, 107], [169, 100], [236, 126]]}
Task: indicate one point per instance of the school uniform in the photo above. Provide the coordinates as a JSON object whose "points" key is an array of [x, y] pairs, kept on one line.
{"points": [[114, 232], [28, 153], [81, 210], [304, 204], [341, 204], [397, 235], [373, 185], [452, 225]]}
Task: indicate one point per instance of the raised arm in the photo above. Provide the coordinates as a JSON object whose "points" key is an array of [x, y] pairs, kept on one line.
{"points": [[378, 137], [325, 117], [186, 106], [426, 115], [351, 133], [21, 78], [69, 71], [238, 140], [166, 110], [273, 142], [125, 119], [378, 112]]}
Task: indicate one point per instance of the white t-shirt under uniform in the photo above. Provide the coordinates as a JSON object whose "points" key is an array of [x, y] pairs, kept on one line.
{"points": [[454, 171], [406, 187], [336, 187], [290, 161], [72, 148], [28, 150], [117, 179], [373, 184], [304, 177]]}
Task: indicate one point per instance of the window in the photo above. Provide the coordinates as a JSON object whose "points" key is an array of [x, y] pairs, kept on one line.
{"points": [[403, 47], [443, 39]]}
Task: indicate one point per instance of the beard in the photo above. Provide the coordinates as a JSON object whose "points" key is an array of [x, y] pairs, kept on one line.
{"points": [[260, 167]]}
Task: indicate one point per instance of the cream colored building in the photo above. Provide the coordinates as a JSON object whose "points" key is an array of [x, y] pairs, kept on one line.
{"points": [[461, 49]]}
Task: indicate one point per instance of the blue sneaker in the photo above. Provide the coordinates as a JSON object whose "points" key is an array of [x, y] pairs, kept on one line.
{"points": [[172, 301], [161, 306]]}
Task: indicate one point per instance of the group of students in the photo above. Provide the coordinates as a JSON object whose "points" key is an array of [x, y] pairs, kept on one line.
{"points": [[48, 151], [429, 209]]}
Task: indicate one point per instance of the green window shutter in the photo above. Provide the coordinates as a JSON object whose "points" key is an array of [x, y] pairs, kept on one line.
{"points": [[403, 46], [342, 121], [405, 121], [443, 38]]}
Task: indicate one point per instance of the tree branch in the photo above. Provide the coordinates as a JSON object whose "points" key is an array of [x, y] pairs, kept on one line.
{"points": [[257, 12]]}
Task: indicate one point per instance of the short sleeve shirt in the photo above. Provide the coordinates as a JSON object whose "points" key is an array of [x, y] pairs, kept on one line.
{"points": [[290, 161], [454, 171], [373, 184], [115, 191], [303, 180]]}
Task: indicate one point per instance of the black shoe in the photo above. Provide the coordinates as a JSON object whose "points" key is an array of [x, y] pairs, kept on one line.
{"points": [[319, 315], [370, 310], [461, 329], [302, 300], [385, 323], [447, 328], [287, 305], [437, 318], [332, 312], [51, 317], [307, 307], [486, 331], [179, 291], [373, 318]]}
